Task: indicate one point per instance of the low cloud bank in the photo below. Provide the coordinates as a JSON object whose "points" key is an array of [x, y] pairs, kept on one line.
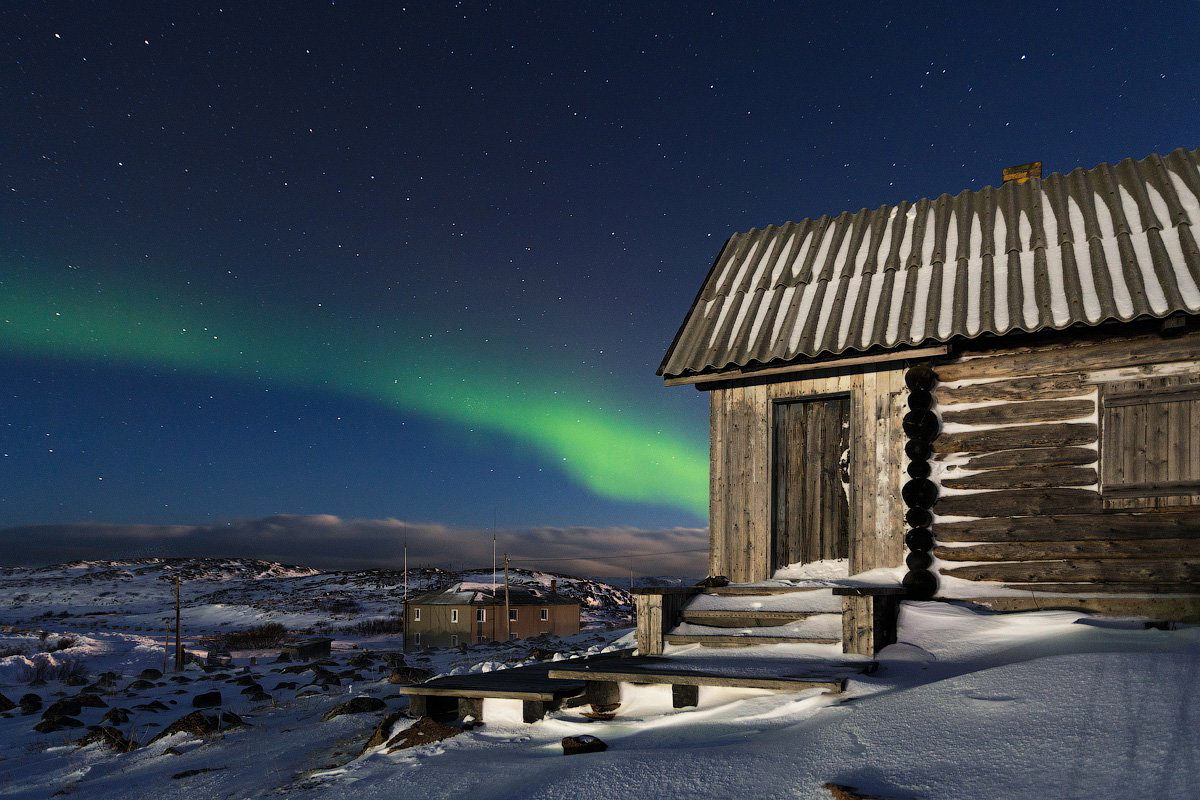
{"points": [[329, 542]]}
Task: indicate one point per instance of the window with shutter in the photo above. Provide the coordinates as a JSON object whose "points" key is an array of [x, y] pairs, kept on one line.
{"points": [[1150, 443]]}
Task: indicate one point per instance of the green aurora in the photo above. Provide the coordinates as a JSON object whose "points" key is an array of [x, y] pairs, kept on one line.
{"points": [[614, 453]]}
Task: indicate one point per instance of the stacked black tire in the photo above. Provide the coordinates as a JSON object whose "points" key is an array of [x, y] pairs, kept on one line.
{"points": [[921, 426]]}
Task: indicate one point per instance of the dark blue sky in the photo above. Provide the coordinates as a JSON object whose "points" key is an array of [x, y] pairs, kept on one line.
{"points": [[523, 200]]}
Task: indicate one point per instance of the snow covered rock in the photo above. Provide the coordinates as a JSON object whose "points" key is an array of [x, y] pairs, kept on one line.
{"points": [[575, 745], [362, 704], [200, 723], [426, 730], [207, 700]]}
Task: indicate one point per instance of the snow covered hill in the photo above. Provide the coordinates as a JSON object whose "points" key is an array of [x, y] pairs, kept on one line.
{"points": [[226, 594]]}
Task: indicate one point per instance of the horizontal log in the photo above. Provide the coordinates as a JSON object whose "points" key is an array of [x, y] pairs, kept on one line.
{"points": [[1120, 352], [1116, 588], [1024, 478], [1060, 434], [1095, 549], [1047, 388], [1083, 571], [1055, 527], [1016, 502], [1034, 457], [1032, 411]]}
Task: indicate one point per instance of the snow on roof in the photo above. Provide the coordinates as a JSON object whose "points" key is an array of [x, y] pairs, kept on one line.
{"points": [[1113, 243]]}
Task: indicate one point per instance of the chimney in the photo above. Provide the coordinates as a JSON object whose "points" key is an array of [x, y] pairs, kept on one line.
{"points": [[553, 586], [1021, 172]]}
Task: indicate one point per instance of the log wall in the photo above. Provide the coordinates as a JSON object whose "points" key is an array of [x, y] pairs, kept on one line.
{"points": [[740, 505], [1025, 467]]}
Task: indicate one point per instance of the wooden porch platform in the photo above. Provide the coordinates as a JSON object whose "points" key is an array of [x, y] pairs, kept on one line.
{"points": [[463, 695], [602, 676]]}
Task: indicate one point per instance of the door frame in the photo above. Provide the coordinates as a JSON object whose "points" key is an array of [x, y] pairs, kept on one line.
{"points": [[851, 466]]}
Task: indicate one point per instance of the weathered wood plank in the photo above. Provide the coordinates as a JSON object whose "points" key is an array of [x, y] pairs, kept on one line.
{"points": [[1051, 387], [1075, 357], [1024, 478], [1157, 587], [1090, 549], [1017, 502], [1032, 411], [1113, 525], [1034, 457], [1082, 570], [1062, 434]]}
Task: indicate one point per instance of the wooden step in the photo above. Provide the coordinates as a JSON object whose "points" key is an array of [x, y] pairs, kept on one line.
{"points": [[745, 618], [744, 640], [741, 589]]}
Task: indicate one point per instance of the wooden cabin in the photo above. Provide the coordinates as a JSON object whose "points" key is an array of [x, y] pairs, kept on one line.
{"points": [[463, 615], [995, 394]]}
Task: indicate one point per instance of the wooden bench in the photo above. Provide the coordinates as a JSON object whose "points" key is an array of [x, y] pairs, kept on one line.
{"points": [[460, 696], [602, 678]]}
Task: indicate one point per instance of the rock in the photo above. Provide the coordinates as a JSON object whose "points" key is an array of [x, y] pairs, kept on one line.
{"points": [[117, 716], [219, 659], [361, 660], [52, 724], [714, 581], [426, 730], [574, 745], [6, 704], [109, 737], [259, 696], [382, 731], [363, 704], [247, 680], [841, 792], [150, 674], [29, 703], [76, 680], [309, 692], [180, 679], [67, 707], [283, 658], [107, 679], [253, 688], [88, 700], [542, 653], [187, 773], [207, 700], [285, 685], [409, 675], [139, 685], [393, 659], [153, 706], [296, 669], [200, 723]]}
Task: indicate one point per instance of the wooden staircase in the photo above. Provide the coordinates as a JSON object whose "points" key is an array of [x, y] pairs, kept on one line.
{"points": [[860, 618], [741, 616]]}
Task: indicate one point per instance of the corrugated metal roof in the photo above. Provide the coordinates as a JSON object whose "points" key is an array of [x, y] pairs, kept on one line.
{"points": [[1110, 243]]}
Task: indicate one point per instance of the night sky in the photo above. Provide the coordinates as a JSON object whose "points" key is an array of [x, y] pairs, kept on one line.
{"points": [[359, 260]]}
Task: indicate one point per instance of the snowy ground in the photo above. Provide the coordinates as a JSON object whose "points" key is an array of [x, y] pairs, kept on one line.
{"points": [[970, 705]]}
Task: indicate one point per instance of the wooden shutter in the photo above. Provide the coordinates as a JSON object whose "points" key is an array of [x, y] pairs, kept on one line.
{"points": [[1150, 443]]}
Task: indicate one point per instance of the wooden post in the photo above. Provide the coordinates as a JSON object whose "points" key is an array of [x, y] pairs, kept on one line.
{"points": [[507, 611], [178, 629], [166, 643]]}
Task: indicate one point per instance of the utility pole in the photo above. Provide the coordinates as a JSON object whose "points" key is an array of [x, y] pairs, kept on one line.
{"points": [[178, 630], [404, 630], [166, 643], [493, 560], [507, 612]]}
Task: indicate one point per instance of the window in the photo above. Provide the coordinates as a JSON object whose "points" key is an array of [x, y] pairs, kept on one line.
{"points": [[512, 637], [481, 638], [454, 615], [417, 614], [1150, 443], [545, 614], [512, 615], [453, 640], [480, 615], [417, 640]]}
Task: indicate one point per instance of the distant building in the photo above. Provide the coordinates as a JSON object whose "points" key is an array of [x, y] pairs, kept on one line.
{"points": [[464, 614]]}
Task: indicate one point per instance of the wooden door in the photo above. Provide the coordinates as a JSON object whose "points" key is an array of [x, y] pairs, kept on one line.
{"points": [[810, 480]]}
